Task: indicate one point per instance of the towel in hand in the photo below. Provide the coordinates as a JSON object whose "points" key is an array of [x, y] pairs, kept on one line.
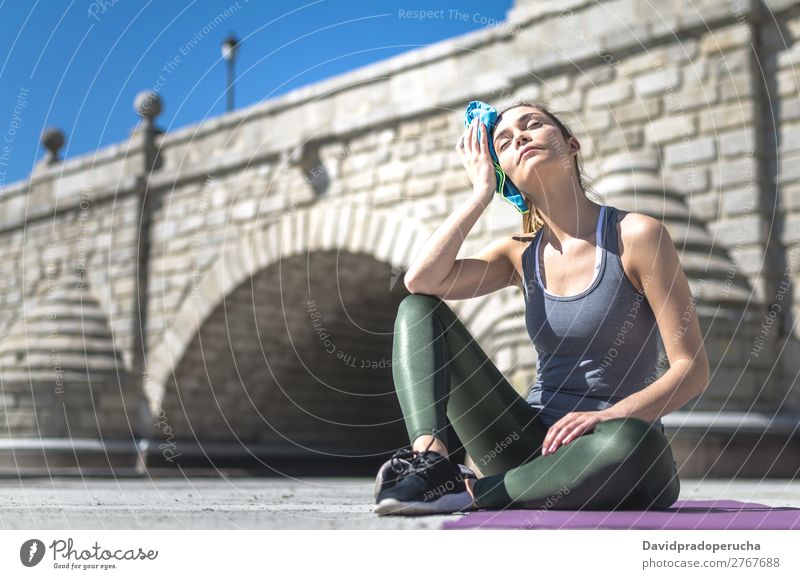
{"points": [[488, 115]]}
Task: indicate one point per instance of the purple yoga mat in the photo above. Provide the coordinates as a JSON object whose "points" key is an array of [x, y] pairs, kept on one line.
{"points": [[705, 515]]}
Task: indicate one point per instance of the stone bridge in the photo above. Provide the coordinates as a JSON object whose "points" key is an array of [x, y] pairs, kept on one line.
{"points": [[227, 291]]}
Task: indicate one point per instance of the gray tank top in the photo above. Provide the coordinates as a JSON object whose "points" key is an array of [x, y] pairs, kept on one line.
{"points": [[595, 347]]}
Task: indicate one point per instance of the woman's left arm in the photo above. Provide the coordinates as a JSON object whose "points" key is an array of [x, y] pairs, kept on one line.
{"points": [[657, 265], [655, 262]]}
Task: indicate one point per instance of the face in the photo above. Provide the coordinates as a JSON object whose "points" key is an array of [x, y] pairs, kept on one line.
{"points": [[523, 128]]}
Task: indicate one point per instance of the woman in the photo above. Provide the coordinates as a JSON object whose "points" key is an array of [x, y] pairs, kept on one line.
{"points": [[589, 434]]}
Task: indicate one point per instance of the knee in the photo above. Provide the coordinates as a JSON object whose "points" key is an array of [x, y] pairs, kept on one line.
{"points": [[420, 300], [624, 435], [414, 305]]}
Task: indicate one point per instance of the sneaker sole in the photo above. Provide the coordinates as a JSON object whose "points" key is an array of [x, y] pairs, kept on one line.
{"points": [[451, 503]]}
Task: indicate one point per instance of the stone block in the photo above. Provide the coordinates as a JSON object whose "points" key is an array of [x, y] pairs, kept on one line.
{"points": [[788, 83], [646, 61], [734, 172], [393, 172], [704, 206], [403, 244], [748, 260], [723, 39], [690, 179], [385, 241], [790, 138], [747, 229], [427, 165], [791, 229], [670, 128], [344, 220], [657, 82], [789, 168], [374, 230], [638, 111], [360, 220], [694, 96], [732, 115], [421, 188], [608, 95], [740, 89], [693, 151], [244, 210], [737, 142], [740, 200]]}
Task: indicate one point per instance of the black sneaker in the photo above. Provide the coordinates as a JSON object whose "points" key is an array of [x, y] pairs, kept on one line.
{"points": [[393, 468], [421, 483], [390, 470]]}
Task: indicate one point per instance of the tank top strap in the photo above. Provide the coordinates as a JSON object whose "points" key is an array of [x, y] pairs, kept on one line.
{"points": [[610, 242]]}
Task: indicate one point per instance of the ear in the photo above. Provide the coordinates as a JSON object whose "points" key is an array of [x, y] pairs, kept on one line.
{"points": [[574, 145]]}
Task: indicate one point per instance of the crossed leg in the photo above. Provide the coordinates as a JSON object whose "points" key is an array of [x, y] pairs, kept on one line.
{"points": [[442, 375]]}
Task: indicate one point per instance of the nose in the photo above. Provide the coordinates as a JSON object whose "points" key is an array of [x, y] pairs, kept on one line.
{"points": [[522, 139]]}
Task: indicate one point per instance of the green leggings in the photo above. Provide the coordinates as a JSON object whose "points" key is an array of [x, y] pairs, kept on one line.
{"points": [[441, 374]]}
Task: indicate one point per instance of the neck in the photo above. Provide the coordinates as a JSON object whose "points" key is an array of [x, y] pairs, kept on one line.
{"points": [[568, 215]]}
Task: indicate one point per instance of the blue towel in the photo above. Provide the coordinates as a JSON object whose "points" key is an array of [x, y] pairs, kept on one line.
{"points": [[488, 115]]}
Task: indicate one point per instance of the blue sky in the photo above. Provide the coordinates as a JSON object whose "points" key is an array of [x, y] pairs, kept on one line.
{"points": [[78, 65]]}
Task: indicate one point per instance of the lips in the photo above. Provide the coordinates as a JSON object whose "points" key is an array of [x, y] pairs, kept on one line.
{"points": [[526, 150]]}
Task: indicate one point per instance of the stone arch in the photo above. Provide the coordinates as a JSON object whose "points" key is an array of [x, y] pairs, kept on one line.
{"points": [[369, 237], [381, 234]]}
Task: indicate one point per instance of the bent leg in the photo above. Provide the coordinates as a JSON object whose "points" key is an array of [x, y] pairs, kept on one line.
{"points": [[624, 463], [441, 373]]}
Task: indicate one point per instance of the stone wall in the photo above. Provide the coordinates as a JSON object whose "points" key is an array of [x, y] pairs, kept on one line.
{"points": [[686, 111]]}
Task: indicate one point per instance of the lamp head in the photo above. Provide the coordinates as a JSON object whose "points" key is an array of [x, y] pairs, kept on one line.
{"points": [[229, 47]]}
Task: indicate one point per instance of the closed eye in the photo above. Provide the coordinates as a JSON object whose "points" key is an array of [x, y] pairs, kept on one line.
{"points": [[506, 141]]}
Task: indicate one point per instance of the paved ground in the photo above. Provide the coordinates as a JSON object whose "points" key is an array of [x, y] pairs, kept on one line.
{"points": [[257, 503]]}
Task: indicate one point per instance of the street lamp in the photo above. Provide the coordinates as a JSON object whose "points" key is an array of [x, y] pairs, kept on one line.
{"points": [[230, 47]]}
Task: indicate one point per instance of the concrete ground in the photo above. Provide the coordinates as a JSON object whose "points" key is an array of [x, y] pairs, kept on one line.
{"points": [[258, 503]]}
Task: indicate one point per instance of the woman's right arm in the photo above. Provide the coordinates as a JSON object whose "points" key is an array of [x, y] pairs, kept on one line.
{"points": [[435, 270]]}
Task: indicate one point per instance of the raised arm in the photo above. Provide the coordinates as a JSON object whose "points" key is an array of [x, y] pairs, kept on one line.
{"points": [[435, 270], [487, 271]]}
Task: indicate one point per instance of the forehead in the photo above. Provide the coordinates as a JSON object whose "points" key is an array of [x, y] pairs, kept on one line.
{"points": [[508, 118]]}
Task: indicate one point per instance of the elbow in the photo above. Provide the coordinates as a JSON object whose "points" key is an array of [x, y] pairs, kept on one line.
{"points": [[695, 375], [702, 373], [413, 285], [417, 285]]}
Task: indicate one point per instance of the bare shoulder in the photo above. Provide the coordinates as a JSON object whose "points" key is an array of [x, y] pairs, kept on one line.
{"points": [[643, 232], [638, 227], [633, 223]]}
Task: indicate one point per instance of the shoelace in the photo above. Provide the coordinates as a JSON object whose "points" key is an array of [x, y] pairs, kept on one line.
{"points": [[414, 460], [424, 460], [404, 454]]}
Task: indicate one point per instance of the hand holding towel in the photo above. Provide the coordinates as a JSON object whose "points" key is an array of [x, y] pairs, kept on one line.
{"points": [[488, 115]]}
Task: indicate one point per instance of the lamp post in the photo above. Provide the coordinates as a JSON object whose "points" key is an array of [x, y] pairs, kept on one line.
{"points": [[230, 47]]}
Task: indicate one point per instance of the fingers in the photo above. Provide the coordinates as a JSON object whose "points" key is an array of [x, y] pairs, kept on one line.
{"points": [[474, 139], [556, 433], [569, 428], [547, 444], [462, 141], [462, 146], [572, 433], [553, 445]]}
